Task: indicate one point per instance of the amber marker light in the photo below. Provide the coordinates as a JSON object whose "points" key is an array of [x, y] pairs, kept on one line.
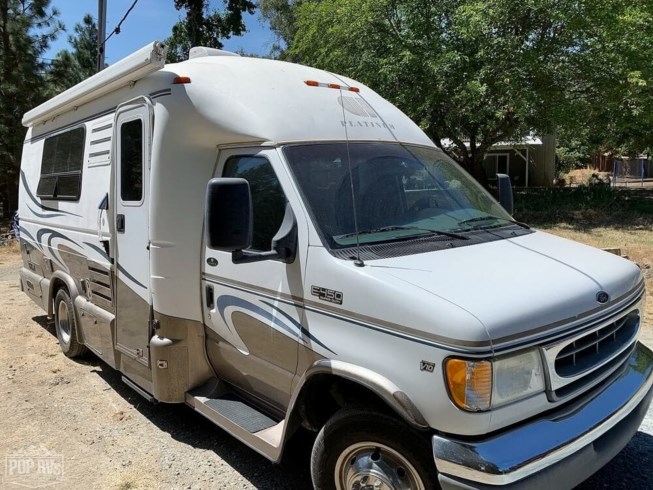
{"points": [[181, 80], [469, 383], [313, 83]]}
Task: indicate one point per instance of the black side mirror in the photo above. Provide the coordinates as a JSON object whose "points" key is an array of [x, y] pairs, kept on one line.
{"points": [[228, 214], [284, 244], [505, 192]]}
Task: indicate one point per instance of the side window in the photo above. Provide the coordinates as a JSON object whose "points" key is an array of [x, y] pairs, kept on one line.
{"points": [[268, 199], [61, 166], [131, 161]]}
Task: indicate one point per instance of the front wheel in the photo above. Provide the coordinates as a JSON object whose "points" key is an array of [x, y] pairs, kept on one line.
{"points": [[364, 450]]}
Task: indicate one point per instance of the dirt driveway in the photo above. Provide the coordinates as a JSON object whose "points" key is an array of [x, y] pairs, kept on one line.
{"points": [[80, 416]]}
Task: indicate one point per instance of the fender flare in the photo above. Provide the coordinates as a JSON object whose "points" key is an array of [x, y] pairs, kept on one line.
{"points": [[70, 284], [72, 289], [389, 392]]}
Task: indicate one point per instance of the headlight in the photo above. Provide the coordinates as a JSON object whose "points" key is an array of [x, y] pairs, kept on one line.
{"points": [[477, 385]]}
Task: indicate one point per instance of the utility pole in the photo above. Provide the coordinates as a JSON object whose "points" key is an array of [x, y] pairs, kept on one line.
{"points": [[101, 33]]}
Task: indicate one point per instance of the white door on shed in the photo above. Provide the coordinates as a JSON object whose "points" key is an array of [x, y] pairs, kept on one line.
{"points": [[132, 190]]}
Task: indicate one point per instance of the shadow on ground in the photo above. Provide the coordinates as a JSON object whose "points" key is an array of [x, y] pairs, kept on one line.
{"points": [[186, 426], [630, 469], [45, 324]]}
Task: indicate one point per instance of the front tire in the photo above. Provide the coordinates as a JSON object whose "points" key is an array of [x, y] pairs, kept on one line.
{"points": [[66, 326], [360, 450]]}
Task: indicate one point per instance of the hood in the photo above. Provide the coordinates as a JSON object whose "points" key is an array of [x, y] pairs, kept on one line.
{"points": [[521, 287]]}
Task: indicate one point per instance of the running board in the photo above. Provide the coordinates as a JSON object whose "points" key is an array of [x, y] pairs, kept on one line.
{"points": [[232, 413], [138, 389]]}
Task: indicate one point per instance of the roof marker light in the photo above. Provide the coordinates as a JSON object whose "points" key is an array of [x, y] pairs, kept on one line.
{"points": [[313, 83], [179, 80]]}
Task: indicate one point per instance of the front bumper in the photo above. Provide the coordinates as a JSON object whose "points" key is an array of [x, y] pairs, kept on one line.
{"points": [[560, 449]]}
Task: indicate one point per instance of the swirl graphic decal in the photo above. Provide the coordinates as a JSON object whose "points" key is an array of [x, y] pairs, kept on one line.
{"points": [[295, 329]]}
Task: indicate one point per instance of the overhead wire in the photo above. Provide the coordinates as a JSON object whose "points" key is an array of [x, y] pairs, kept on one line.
{"points": [[116, 30]]}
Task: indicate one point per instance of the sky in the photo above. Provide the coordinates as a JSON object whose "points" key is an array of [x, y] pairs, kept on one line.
{"points": [[150, 20]]}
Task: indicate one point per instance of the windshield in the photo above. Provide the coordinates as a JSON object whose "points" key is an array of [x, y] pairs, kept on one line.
{"points": [[400, 191]]}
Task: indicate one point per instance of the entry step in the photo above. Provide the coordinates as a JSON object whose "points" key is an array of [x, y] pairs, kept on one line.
{"points": [[240, 413], [217, 401]]}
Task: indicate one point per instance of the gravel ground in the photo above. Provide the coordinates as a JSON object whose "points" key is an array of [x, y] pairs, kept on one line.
{"points": [[109, 437]]}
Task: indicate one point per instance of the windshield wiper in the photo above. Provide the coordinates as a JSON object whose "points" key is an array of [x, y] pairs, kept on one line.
{"points": [[396, 227], [489, 217]]}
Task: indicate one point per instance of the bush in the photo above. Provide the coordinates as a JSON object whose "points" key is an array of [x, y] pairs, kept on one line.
{"points": [[586, 177]]}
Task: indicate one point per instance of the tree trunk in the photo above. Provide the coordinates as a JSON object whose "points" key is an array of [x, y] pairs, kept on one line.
{"points": [[478, 170], [476, 156]]}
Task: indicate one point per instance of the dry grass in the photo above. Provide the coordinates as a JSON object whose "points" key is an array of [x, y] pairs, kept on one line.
{"points": [[636, 244], [584, 176]]}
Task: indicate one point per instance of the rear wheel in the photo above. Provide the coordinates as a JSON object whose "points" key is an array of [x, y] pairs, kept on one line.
{"points": [[363, 450], [66, 326]]}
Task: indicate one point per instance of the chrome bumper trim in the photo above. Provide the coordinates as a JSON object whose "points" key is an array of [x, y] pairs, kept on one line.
{"points": [[527, 449]]}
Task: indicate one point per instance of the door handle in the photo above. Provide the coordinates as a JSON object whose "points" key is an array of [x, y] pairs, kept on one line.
{"points": [[120, 223], [209, 297]]}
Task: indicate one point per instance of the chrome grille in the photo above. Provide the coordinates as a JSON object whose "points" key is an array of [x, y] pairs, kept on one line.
{"points": [[587, 352], [580, 361]]}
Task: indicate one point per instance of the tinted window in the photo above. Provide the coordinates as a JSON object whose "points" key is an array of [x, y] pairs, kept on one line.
{"points": [[400, 192], [61, 165], [268, 199], [131, 161]]}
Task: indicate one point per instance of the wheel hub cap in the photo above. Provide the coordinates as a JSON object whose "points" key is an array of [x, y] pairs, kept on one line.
{"points": [[62, 321], [371, 466]]}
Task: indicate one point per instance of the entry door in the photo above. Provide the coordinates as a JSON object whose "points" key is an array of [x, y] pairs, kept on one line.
{"points": [[132, 190], [253, 311]]}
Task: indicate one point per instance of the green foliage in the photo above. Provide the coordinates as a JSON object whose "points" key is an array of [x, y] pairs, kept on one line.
{"points": [[281, 17], [69, 68], [573, 154], [479, 72], [623, 52], [205, 27], [26, 29]]}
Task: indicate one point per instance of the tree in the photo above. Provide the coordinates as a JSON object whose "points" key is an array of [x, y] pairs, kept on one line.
{"points": [[620, 86], [473, 73], [205, 27], [71, 67], [280, 14], [26, 29], [623, 55]]}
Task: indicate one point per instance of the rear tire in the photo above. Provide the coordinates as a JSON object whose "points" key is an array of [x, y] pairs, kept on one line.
{"points": [[66, 326], [360, 449]]}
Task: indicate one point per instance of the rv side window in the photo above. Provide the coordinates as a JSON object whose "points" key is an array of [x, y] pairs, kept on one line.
{"points": [[268, 199], [61, 166], [131, 161]]}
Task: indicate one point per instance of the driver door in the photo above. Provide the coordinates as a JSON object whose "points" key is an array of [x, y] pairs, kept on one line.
{"points": [[253, 311]]}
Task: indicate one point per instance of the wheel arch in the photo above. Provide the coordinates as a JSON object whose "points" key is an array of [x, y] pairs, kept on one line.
{"points": [[329, 385], [59, 279]]}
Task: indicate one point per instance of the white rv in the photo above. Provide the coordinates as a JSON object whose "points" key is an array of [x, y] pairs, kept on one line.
{"points": [[277, 246]]}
